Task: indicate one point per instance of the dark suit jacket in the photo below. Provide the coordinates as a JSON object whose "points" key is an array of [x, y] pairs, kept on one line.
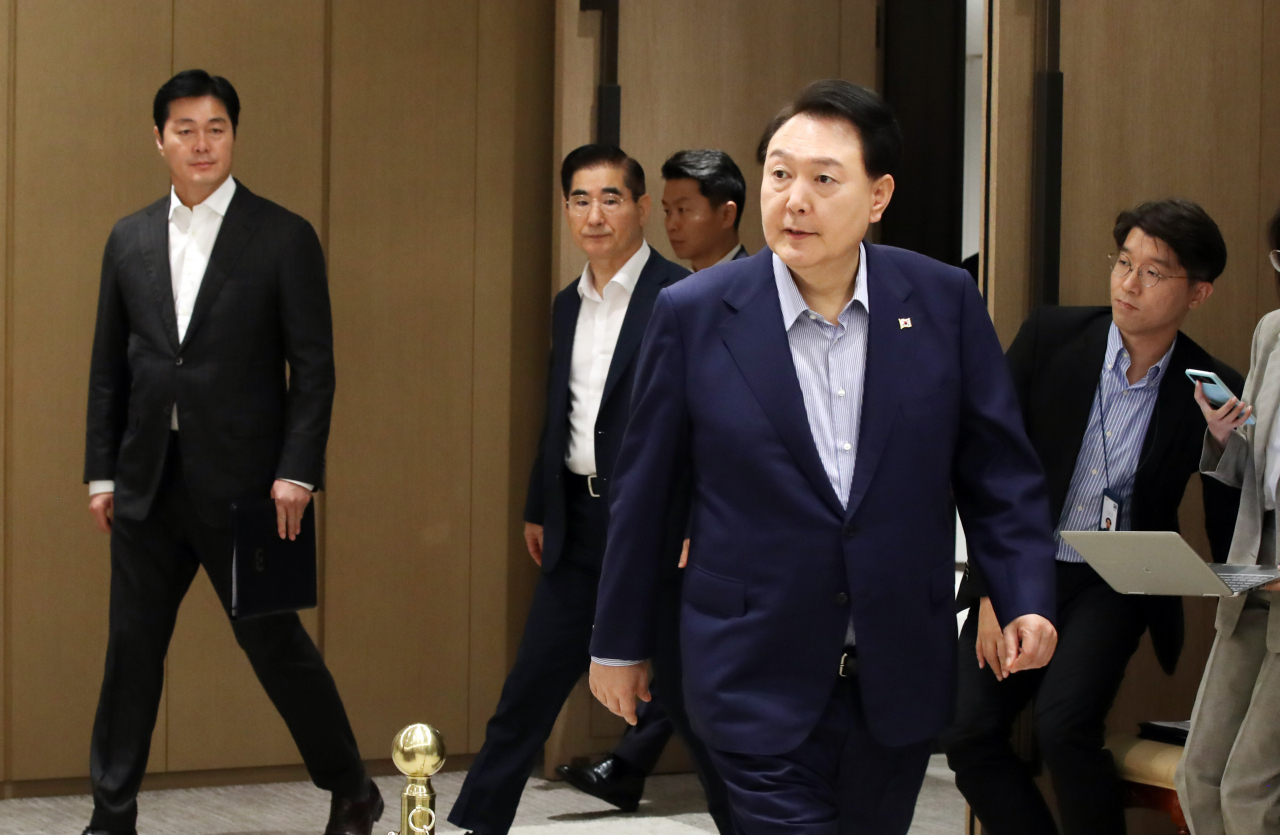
{"points": [[1056, 360], [544, 504], [777, 565], [263, 303]]}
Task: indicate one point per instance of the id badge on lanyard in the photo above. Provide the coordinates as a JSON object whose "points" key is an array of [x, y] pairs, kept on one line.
{"points": [[1109, 517]]}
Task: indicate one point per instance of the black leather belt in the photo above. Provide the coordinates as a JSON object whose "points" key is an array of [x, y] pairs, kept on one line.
{"points": [[592, 485], [849, 662]]}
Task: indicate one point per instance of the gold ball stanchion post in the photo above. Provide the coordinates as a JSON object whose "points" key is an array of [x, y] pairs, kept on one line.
{"points": [[418, 751]]}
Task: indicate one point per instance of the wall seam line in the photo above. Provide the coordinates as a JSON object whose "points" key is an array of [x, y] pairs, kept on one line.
{"points": [[10, 168]]}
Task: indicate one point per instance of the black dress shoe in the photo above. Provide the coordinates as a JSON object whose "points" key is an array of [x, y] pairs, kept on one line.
{"points": [[88, 830], [614, 781], [355, 815]]}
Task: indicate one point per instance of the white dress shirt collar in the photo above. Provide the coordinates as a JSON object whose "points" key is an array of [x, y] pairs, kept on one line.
{"points": [[625, 277], [733, 253], [219, 201], [793, 304]]}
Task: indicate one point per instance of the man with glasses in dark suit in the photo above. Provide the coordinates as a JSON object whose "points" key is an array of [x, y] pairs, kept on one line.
{"points": [[1110, 413]]}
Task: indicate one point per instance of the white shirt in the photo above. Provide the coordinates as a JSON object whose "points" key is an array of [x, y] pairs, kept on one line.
{"points": [[192, 234], [733, 253], [599, 323]]}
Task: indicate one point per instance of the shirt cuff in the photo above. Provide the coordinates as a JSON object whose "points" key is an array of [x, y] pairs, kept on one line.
{"points": [[614, 662], [102, 486], [310, 487]]}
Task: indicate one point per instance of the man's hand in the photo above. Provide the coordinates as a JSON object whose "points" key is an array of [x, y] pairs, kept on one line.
{"points": [[291, 501], [103, 507], [684, 554], [990, 645], [1029, 643], [617, 688], [533, 541], [1223, 420]]}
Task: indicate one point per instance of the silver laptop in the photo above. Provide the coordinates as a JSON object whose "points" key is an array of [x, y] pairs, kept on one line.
{"points": [[1161, 562]]}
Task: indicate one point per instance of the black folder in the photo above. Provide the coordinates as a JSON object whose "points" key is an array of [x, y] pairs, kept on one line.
{"points": [[269, 574]]}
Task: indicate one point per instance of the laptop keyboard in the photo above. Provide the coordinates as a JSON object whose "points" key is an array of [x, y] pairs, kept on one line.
{"points": [[1242, 582]]}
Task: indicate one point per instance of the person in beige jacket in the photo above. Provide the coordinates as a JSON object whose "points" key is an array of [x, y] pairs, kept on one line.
{"points": [[1229, 777]]}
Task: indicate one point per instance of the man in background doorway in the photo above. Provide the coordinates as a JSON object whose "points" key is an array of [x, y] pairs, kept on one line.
{"points": [[702, 205], [596, 328]]}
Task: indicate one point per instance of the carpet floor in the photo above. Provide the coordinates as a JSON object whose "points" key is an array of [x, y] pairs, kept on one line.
{"points": [[673, 805]]}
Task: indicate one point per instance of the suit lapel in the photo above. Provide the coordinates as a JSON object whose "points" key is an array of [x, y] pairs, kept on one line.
{"points": [[1266, 405], [155, 253], [634, 322], [236, 230], [891, 350], [758, 342], [1173, 399]]}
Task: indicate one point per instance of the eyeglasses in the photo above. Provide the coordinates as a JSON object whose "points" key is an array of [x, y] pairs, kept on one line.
{"points": [[1121, 267], [580, 205], [1275, 260]]}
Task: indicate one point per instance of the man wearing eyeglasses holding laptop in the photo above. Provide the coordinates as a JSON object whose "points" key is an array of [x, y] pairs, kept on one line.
{"points": [[1108, 408]]}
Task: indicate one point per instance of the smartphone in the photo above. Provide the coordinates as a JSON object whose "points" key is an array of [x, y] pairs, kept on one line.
{"points": [[1214, 389]]}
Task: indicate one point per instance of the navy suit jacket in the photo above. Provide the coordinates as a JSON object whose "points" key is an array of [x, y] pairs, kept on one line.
{"points": [[544, 503], [777, 566]]}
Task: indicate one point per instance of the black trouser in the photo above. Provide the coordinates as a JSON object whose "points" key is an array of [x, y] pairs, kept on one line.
{"points": [[153, 562], [554, 653], [643, 743], [1098, 631]]}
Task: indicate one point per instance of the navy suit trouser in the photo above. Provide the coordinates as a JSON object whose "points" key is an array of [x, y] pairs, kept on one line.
{"points": [[839, 781], [643, 743], [554, 653]]}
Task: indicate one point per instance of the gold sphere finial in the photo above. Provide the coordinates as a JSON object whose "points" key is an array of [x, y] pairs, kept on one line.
{"points": [[418, 751]]}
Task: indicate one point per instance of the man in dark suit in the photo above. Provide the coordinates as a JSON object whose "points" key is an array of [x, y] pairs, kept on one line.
{"points": [[1105, 401], [206, 296], [702, 202], [597, 325], [829, 397]]}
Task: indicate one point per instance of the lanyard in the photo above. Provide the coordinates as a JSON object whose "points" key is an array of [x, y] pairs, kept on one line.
{"points": [[1102, 421]]}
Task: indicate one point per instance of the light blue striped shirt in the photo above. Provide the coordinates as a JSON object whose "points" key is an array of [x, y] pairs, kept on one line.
{"points": [[1127, 411], [831, 364]]}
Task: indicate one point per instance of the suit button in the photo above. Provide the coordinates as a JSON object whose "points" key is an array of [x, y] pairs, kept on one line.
{"points": [[849, 530], [842, 599], [178, 361]]}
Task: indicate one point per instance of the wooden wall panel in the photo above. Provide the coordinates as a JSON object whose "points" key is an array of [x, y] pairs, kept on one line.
{"points": [[1268, 163], [7, 56], [219, 716], [1006, 228], [83, 158], [1176, 114], [512, 270], [402, 237]]}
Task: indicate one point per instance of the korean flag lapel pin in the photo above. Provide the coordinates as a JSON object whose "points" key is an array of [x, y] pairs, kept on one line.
{"points": [[903, 324]]}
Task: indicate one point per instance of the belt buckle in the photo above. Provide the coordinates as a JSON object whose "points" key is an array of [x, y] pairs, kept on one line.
{"points": [[591, 486], [848, 665]]}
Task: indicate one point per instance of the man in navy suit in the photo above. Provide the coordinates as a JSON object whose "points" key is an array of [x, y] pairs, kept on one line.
{"points": [[702, 201], [597, 325], [833, 400]]}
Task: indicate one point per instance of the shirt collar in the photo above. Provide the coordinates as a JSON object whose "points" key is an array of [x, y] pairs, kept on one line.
{"points": [[218, 201], [733, 253], [626, 277], [793, 303], [1117, 359]]}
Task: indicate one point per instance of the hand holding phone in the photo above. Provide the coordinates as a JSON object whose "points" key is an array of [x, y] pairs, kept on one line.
{"points": [[1222, 410]]}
